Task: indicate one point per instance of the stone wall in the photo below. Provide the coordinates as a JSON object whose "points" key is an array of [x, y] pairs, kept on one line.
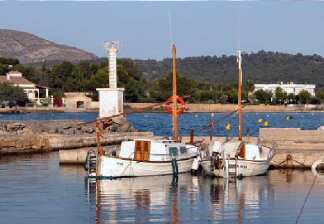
{"points": [[295, 148]]}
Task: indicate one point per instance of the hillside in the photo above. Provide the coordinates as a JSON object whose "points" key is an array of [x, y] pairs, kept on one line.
{"points": [[29, 48], [261, 67]]}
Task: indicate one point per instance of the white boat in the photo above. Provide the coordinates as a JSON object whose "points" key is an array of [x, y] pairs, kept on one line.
{"points": [[145, 157], [237, 158]]}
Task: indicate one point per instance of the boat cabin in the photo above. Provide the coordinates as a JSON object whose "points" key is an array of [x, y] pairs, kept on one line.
{"points": [[156, 150], [243, 150]]}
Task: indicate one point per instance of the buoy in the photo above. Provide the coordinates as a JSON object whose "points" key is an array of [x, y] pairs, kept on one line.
{"points": [[196, 115], [266, 124], [260, 120], [228, 127], [288, 117], [212, 114]]}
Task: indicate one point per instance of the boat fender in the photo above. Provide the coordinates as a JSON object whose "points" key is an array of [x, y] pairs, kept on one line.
{"points": [[316, 166], [195, 164]]}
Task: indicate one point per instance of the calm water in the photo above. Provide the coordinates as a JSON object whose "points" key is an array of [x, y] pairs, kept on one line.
{"points": [[159, 123], [35, 189]]}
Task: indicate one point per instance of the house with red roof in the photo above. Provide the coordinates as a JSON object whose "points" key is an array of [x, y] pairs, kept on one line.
{"points": [[32, 90]]}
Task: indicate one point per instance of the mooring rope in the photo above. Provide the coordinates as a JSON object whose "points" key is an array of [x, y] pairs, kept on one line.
{"points": [[305, 201]]}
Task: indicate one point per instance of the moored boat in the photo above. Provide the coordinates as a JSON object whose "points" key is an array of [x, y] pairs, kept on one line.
{"points": [[237, 158], [145, 157]]}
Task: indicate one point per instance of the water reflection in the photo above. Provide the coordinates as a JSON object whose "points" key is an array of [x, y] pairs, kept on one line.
{"points": [[35, 189], [165, 199]]}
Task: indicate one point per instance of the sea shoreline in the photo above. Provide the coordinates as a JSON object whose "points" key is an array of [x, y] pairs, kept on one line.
{"points": [[191, 108]]}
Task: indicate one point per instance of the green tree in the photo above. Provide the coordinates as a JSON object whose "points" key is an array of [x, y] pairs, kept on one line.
{"points": [[162, 89], [263, 96], [59, 75], [5, 64], [304, 97], [291, 98], [12, 94], [132, 80], [320, 95], [280, 95]]}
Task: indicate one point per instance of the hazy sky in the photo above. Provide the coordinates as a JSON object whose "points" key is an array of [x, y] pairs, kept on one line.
{"points": [[198, 28]]}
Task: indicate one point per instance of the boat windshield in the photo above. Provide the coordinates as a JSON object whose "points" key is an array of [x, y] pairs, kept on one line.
{"points": [[173, 151]]}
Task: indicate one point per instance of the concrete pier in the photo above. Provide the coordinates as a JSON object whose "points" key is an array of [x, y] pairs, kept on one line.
{"points": [[295, 148], [31, 143]]}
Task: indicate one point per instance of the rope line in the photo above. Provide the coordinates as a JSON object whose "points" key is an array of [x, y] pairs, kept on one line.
{"points": [[305, 201]]}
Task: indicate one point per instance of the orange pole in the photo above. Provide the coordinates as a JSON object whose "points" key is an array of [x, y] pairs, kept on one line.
{"points": [[239, 97], [175, 129], [99, 130], [100, 150]]}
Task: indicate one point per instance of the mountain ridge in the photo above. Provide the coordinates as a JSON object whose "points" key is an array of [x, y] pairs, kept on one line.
{"points": [[29, 48], [262, 66]]}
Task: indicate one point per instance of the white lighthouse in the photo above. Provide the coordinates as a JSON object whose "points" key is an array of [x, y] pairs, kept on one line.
{"points": [[111, 99]]}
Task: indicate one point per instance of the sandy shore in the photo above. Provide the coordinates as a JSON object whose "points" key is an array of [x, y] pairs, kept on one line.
{"points": [[153, 107], [230, 107]]}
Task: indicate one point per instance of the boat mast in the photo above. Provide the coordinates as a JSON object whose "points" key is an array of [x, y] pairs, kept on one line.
{"points": [[239, 95], [175, 128]]}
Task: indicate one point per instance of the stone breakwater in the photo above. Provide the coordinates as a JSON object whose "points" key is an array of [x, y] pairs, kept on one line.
{"points": [[13, 144], [65, 127], [295, 148], [44, 136]]}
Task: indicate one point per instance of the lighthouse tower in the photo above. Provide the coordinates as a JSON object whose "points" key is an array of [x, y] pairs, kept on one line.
{"points": [[111, 99]]}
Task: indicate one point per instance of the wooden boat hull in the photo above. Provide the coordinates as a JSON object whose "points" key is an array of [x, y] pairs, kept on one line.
{"points": [[245, 168], [119, 167]]}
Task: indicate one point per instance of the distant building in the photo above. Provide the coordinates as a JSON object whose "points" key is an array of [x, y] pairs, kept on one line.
{"points": [[287, 87], [34, 92], [77, 100]]}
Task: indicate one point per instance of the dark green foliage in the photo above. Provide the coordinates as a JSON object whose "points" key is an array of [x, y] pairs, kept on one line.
{"points": [[303, 97], [9, 61], [131, 79], [162, 89], [320, 95], [263, 96], [200, 80], [5, 64], [261, 67], [12, 94], [280, 96], [291, 98]]}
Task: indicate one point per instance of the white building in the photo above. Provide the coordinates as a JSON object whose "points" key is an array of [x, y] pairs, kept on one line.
{"points": [[288, 88], [32, 90]]}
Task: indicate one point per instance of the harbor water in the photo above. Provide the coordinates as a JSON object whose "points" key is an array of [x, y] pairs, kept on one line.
{"points": [[36, 189], [160, 123]]}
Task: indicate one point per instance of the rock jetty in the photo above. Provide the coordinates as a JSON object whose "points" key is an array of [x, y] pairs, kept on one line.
{"points": [[44, 136]]}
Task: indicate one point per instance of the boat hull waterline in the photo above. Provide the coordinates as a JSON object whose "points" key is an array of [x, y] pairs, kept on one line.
{"points": [[111, 167], [245, 168]]}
